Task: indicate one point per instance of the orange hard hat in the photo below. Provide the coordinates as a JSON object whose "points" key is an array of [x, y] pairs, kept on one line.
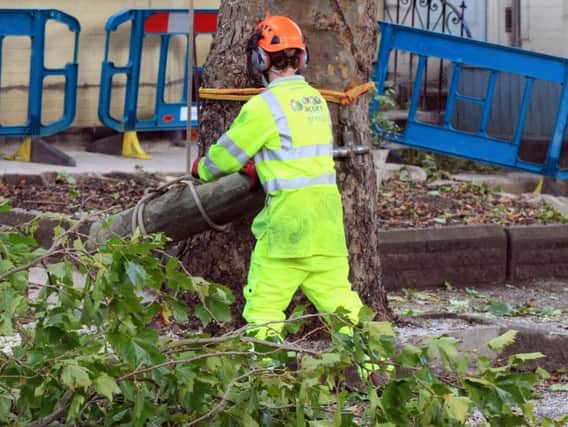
{"points": [[280, 33]]}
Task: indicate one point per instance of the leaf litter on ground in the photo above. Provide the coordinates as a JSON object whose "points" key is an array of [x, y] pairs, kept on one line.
{"points": [[407, 204]]}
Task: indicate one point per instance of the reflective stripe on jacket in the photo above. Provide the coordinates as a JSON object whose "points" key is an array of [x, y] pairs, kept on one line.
{"points": [[287, 129]]}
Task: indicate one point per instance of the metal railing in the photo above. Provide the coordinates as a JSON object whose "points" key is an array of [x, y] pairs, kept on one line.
{"points": [[440, 16], [477, 143]]}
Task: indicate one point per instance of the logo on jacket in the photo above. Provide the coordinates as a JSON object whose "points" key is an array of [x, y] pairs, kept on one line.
{"points": [[308, 104]]}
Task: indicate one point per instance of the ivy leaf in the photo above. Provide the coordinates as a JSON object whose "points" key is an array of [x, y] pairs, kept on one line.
{"points": [[105, 385], [456, 407], [75, 376], [498, 344]]}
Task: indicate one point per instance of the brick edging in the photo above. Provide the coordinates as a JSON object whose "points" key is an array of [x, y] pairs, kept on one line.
{"points": [[473, 255]]}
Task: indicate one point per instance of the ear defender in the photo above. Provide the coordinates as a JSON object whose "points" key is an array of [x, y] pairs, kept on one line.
{"points": [[259, 59], [303, 60]]}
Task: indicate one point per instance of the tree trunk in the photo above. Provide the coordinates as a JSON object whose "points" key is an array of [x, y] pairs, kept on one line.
{"points": [[342, 41]]}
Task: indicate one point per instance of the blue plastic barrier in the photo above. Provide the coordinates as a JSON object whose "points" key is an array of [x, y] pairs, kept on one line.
{"points": [[477, 145], [32, 23], [167, 23]]}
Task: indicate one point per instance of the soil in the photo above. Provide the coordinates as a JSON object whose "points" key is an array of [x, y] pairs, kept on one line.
{"points": [[406, 204], [403, 204], [77, 195], [542, 302]]}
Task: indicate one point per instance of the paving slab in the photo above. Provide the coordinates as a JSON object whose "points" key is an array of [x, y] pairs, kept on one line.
{"points": [[166, 158]]}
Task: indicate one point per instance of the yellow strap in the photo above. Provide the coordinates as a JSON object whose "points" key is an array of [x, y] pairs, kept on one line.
{"points": [[343, 98]]}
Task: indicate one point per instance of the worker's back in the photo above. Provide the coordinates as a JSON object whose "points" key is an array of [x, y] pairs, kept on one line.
{"points": [[303, 216]]}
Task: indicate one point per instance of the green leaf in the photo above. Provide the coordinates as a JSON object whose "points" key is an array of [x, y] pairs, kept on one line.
{"points": [[75, 407], [498, 344], [105, 385], [140, 348], [409, 356], [542, 374], [456, 407], [522, 358], [136, 274], [203, 315], [500, 309], [447, 348], [62, 271], [6, 328], [220, 310], [179, 310], [5, 205], [247, 420], [75, 376], [474, 293], [366, 314], [379, 329], [300, 418], [559, 387], [294, 327], [458, 306]]}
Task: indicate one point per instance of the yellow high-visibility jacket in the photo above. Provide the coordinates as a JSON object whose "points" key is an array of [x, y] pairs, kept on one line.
{"points": [[288, 131]]}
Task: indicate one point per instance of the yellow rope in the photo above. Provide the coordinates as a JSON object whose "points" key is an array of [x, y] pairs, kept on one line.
{"points": [[337, 97]]}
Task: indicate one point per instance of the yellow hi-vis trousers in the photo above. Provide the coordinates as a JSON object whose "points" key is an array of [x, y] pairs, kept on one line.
{"points": [[272, 283]]}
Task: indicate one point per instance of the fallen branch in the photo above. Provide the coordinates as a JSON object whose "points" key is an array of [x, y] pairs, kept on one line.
{"points": [[176, 214]]}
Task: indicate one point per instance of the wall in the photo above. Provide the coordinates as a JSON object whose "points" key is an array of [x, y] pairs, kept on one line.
{"points": [[543, 25], [92, 15]]}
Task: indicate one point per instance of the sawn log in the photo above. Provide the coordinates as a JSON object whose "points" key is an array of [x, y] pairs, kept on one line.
{"points": [[176, 214]]}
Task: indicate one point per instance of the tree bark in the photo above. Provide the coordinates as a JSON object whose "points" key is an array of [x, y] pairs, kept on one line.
{"points": [[342, 41]]}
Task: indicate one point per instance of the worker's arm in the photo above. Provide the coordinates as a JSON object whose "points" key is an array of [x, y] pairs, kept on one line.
{"points": [[247, 135]]}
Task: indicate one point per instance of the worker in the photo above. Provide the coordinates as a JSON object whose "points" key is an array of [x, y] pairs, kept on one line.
{"points": [[287, 130]]}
